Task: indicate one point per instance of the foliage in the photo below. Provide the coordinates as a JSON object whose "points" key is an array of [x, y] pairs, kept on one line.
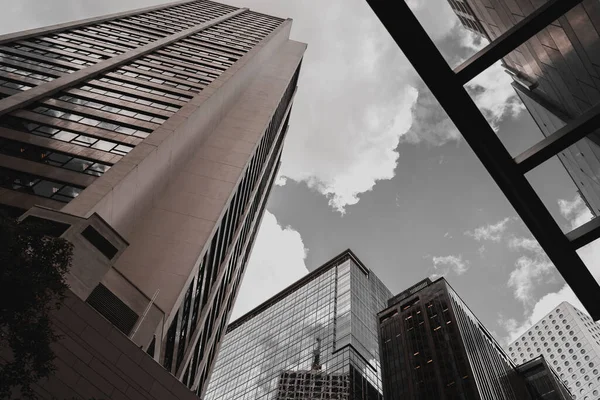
{"points": [[32, 283]]}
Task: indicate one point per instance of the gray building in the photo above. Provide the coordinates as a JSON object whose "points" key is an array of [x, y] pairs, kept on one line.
{"points": [[556, 74], [316, 339], [570, 342], [151, 138], [433, 347]]}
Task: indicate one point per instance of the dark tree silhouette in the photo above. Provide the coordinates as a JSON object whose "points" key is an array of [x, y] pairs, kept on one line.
{"points": [[32, 283]]}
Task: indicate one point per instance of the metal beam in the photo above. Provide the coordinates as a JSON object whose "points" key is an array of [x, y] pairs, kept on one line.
{"points": [[585, 234], [513, 38], [448, 89], [559, 140]]}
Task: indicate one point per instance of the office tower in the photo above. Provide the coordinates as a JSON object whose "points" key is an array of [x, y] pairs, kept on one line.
{"points": [[316, 339], [153, 138], [570, 341], [556, 74], [433, 347], [543, 381]]}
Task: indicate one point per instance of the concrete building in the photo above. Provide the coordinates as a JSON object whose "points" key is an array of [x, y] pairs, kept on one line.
{"points": [[556, 74], [542, 380], [316, 339], [152, 139], [433, 347], [570, 342]]}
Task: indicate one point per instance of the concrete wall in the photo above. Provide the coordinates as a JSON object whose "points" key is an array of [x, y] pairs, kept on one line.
{"points": [[95, 360]]}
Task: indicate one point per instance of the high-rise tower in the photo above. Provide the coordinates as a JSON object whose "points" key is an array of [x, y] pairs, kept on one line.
{"points": [[433, 347], [152, 139], [316, 339], [570, 342]]}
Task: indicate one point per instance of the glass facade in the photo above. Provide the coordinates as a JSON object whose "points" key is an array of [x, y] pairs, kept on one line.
{"points": [[317, 339], [555, 74], [433, 347]]}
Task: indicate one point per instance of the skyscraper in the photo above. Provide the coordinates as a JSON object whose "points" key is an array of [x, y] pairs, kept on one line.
{"points": [[570, 341], [152, 137], [433, 347], [556, 74], [316, 339]]}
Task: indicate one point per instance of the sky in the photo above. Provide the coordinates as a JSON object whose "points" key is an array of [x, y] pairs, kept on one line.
{"points": [[372, 163]]}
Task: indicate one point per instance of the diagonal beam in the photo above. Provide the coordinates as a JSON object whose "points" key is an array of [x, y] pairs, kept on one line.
{"points": [[559, 140], [513, 38], [448, 89]]}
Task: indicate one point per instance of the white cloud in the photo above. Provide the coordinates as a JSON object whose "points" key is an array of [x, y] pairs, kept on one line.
{"points": [[358, 97], [529, 271], [493, 232], [276, 262], [481, 251], [547, 303], [449, 263], [578, 214]]}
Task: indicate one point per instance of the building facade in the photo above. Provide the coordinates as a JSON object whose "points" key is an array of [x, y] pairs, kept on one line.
{"points": [[433, 347], [570, 341], [153, 137], [316, 339], [556, 74], [542, 380]]}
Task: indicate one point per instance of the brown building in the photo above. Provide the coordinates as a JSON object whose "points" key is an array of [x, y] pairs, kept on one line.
{"points": [[556, 74], [434, 348], [152, 138]]}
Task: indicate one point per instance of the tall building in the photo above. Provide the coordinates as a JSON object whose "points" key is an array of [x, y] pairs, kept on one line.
{"points": [[570, 341], [316, 339], [556, 74], [152, 139], [433, 347]]}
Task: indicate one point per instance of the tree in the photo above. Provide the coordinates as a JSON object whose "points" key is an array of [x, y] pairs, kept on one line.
{"points": [[33, 265]]}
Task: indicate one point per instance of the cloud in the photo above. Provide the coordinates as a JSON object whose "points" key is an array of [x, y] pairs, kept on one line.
{"points": [[276, 262], [542, 307], [577, 213], [429, 121], [359, 98], [449, 263], [529, 271], [494, 96], [493, 232], [481, 251]]}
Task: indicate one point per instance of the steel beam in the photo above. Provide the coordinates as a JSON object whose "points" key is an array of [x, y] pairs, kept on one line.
{"points": [[448, 89], [513, 38], [585, 234], [559, 140]]}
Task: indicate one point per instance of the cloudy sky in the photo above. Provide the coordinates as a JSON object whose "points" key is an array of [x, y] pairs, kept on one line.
{"points": [[372, 163]]}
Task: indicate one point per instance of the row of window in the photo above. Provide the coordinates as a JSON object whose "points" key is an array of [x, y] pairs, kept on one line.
{"points": [[64, 135], [74, 49], [221, 240], [255, 210], [38, 186], [43, 155]]}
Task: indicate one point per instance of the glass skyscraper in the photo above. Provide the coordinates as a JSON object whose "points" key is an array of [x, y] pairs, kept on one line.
{"points": [[316, 339]]}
